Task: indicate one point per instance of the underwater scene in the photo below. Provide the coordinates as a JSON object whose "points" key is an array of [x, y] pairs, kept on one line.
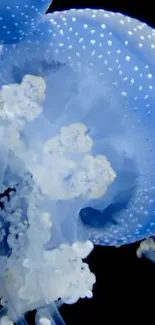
{"points": [[77, 162]]}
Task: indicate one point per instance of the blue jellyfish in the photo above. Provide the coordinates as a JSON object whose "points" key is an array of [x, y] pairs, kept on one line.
{"points": [[19, 18], [77, 91]]}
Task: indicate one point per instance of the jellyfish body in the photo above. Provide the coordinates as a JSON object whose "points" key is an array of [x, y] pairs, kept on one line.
{"points": [[113, 58], [18, 18], [77, 158]]}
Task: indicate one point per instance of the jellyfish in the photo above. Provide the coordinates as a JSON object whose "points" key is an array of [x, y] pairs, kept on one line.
{"points": [[77, 150], [18, 18]]}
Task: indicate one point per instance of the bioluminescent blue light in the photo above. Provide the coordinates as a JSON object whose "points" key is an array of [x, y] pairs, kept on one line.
{"points": [[77, 138]]}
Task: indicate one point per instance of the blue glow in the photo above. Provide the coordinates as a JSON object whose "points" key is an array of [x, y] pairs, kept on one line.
{"points": [[18, 18], [77, 91]]}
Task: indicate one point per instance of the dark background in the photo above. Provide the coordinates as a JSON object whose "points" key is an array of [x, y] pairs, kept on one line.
{"points": [[124, 292]]}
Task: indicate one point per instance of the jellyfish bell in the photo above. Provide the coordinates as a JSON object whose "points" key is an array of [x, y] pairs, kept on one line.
{"points": [[19, 18], [77, 137], [112, 57]]}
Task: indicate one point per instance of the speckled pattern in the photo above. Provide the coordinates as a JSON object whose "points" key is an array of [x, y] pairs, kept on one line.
{"points": [[77, 93]]}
